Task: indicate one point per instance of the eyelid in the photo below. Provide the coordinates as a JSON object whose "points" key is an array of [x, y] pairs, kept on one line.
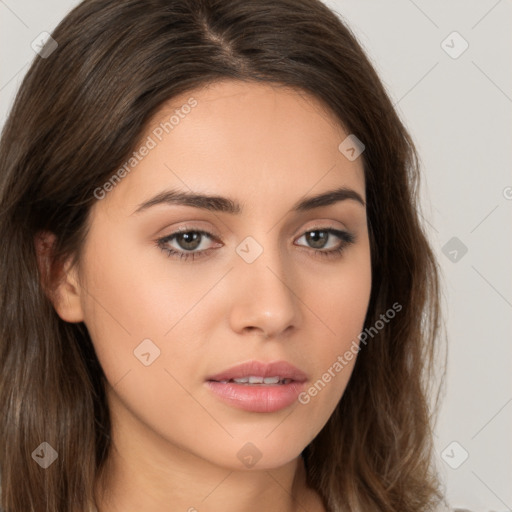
{"points": [[198, 228], [322, 225], [215, 236], [345, 238]]}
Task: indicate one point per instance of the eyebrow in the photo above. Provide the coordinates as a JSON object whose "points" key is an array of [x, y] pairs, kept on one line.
{"points": [[226, 205]]}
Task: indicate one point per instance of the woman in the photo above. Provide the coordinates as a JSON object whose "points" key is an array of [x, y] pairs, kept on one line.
{"points": [[216, 291]]}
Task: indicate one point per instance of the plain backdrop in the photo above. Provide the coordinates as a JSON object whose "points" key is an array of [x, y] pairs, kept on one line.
{"points": [[446, 66]]}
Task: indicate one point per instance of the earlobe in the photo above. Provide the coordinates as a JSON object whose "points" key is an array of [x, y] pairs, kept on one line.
{"points": [[60, 284]]}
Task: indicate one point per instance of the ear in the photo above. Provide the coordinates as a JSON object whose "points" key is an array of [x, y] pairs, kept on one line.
{"points": [[60, 284]]}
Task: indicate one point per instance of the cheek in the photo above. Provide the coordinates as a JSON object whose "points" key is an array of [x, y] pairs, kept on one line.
{"points": [[122, 305], [138, 320], [340, 304], [340, 296], [137, 293]]}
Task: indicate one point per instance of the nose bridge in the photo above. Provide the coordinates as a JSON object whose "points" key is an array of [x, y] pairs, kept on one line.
{"points": [[264, 298]]}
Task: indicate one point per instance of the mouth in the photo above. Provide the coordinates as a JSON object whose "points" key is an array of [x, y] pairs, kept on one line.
{"points": [[258, 387], [257, 381], [256, 372]]}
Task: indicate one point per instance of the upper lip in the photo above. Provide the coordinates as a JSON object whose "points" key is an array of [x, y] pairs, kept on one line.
{"points": [[281, 369]]}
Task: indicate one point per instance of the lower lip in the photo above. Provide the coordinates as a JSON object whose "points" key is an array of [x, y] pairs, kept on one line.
{"points": [[257, 397]]}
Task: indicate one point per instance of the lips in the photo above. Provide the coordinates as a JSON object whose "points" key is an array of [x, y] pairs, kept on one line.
{"points": [[258, 387], [285, 371]]}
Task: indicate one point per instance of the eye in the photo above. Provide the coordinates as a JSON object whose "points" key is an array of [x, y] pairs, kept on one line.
{"points": [[190, 243], [318, 239]]}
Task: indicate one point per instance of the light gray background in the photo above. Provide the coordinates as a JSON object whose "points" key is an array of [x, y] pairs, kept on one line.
{"points": [[459, 113]]}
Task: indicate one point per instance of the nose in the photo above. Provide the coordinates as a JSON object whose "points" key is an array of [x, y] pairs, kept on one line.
{"points": [[266, 298]]}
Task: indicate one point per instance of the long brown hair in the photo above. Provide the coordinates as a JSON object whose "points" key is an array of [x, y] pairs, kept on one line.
{"points": [[77, 116]]}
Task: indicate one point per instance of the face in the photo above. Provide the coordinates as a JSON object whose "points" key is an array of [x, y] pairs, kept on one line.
{"points": [[175, 293]]}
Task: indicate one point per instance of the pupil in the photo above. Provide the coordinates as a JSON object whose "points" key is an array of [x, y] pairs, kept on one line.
{"points": [[316, 239], [191, 240]]}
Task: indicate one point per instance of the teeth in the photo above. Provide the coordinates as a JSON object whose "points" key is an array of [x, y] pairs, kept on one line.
{"points": [[259, 380]]}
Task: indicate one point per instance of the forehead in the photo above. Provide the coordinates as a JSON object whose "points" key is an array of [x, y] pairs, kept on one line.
{"points": [[235, 137]]}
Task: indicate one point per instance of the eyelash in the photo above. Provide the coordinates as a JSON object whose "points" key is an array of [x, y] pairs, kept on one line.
{"points": [[345, 237]]}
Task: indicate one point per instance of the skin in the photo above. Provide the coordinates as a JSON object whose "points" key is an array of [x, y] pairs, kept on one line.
{"points": [[175, 442]]}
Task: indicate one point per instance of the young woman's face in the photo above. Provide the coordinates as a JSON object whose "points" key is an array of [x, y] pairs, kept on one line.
{"points": [[251, 278]]}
